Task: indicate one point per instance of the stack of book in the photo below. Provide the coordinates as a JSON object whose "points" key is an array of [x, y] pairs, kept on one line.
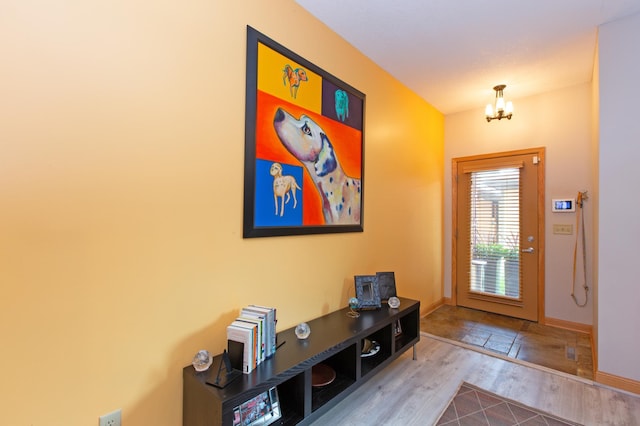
{"points": [[252, 337]]}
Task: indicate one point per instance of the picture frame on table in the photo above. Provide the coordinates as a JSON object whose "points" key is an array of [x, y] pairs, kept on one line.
{"points": [[386, 285], [367, 292]]}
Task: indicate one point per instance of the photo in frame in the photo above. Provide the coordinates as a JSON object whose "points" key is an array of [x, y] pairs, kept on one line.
{"points": [[304, 146], [386, 285], [261, 410], [367, 292]]}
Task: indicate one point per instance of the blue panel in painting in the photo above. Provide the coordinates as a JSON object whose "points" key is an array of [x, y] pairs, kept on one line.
{"points": [[288, 184]]}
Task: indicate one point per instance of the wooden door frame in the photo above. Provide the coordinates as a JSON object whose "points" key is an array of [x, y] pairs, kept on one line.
{"points": [[541, 220]]}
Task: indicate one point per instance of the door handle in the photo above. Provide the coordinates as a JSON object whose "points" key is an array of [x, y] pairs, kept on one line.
{"points": [[528, 250]]}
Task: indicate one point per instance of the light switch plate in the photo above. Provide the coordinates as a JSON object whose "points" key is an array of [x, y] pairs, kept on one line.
{"points": [[562, 229]]}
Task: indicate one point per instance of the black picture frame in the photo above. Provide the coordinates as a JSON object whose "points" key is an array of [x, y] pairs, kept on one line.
{"points": [[367, 292], [386, 285], [282, 86]]}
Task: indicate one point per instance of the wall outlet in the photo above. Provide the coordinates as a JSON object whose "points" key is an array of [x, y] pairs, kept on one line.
{"points": [[111, 419]]}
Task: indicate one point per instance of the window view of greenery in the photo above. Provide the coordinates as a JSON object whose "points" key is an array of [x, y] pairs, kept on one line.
{"points": [[495, 232]]}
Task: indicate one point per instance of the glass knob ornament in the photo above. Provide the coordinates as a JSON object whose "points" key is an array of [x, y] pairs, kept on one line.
{"points": [[202, 360], [353, 303], [302, 330], [394, 302]]}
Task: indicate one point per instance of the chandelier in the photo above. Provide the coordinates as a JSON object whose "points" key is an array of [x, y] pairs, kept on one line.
{"points": [[502, 109]]}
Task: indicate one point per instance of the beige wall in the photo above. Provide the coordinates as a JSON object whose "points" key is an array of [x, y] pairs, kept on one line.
{"points": [[595, 197], [121, 176], [619, 133], [560, 121]]}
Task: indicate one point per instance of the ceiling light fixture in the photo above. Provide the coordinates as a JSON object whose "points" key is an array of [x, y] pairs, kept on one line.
{"points": [[502, 110]]}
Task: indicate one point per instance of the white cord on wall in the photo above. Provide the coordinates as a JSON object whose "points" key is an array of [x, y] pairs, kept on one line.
{"points": [[582, 196]]}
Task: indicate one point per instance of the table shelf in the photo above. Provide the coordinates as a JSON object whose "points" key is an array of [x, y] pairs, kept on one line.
{"points": [[336, 340]]}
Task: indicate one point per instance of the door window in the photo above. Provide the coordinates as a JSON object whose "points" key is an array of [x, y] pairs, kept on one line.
{"points": [[495, 232]]}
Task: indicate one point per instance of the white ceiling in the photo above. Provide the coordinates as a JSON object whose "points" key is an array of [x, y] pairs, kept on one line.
{"points": [[452, 52]]}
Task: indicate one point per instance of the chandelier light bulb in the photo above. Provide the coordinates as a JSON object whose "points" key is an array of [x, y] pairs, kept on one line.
{"points": [[509, 108]]}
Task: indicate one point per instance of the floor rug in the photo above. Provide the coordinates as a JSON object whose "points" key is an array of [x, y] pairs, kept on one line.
{"points": [[474, 406]]}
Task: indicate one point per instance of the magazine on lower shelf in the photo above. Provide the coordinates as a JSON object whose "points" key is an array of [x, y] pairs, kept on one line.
{"points": [[261, 410]]}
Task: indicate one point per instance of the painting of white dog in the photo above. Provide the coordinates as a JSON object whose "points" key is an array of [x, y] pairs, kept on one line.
{"points": [[341, 194], [284, 187]]}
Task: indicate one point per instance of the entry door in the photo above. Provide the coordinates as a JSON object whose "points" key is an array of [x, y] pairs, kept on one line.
{"points": [[499, 222]]}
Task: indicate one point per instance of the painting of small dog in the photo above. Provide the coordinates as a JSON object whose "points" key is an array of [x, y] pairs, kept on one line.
{"points": [[284, 187], [342, 104], [294, 77], [341, 194]]}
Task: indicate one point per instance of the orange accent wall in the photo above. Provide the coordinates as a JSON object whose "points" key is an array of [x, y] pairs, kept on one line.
{"points": [[121, 180]]}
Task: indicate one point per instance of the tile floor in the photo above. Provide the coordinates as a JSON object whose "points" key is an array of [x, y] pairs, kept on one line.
{"points": [[552, 347], [472, 406]]}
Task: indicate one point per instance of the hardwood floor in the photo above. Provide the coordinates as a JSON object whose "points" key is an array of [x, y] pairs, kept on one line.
{"points": [[410, 392]]}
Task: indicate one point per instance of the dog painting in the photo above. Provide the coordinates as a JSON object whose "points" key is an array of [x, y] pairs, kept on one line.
{"points": [[284, 186], [304, 146], [342, 104], [309, 144], [294, 77]]}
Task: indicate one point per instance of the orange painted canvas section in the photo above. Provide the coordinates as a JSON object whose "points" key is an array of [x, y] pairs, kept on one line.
{"points": [[346, 141]]}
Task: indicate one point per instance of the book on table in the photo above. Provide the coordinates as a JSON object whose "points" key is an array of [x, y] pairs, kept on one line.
{"points": [[260, 323], [255, 328], [271, 320], [244, 333]]}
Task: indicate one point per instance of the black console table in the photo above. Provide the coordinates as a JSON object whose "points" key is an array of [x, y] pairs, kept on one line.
{"points": [[336, 340]]}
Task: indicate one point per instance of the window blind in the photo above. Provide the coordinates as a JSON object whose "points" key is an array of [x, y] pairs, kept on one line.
{"points": [[495, 232]]}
